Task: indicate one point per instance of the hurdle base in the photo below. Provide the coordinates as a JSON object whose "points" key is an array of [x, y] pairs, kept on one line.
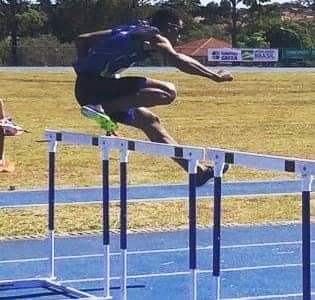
{"points": [[47, 283], [216, 288]]}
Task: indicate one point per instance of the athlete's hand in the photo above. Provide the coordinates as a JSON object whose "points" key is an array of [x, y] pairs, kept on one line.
{"points": [[224, 75]]}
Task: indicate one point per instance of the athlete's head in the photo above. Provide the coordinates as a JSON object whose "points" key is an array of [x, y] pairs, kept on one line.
{"points": [[169, 22]]}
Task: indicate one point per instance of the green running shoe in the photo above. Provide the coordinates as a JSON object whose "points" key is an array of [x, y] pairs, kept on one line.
{"points": [[95, 112]]}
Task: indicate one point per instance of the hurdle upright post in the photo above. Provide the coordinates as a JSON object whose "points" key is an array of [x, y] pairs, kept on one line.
{"points": [[51, 205], [106, 216], [192, 169], [216, 256], [123, 218], [306, 234]]}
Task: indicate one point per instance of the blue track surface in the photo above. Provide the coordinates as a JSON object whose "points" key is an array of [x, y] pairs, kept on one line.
{"points": [[256, 261], [150, 192]]}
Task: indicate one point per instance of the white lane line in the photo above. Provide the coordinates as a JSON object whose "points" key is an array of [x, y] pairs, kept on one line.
{"points": [[158, 251]]}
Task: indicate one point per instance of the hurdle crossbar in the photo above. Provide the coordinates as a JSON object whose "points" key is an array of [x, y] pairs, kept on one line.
{"points": [[152, 148], [71, 138], [144, 147], [303, 167], [262, 162]]}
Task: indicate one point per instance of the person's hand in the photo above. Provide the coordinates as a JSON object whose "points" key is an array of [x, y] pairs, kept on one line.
{"points": [[224, 75]]}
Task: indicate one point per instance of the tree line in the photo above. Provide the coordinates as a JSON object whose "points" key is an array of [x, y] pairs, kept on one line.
{"points": [[55, 24]]}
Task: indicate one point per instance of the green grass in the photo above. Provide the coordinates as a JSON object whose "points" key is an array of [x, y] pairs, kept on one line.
{"points": [[149, 216], [264, 113]]}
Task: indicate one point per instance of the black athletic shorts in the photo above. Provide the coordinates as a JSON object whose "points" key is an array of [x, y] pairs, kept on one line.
{"points": [[97, 90]]}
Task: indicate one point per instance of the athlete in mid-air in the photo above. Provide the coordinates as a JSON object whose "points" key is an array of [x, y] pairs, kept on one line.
{"points": [[104, 54]]}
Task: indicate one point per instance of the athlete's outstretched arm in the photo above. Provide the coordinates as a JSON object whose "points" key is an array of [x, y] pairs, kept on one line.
{"points": [[186, 63]]}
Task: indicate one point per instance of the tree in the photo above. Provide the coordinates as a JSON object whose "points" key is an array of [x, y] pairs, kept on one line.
{"points": [[280, 37], [228, 10], [234, 18], [19, 19], [45, 50], [73, 17], [255, 12], [289, 34], [190, 7], [225, 8], [215, 13], [216, 19], [256, 40], [135, 9], [47, 8], [30, 22]]}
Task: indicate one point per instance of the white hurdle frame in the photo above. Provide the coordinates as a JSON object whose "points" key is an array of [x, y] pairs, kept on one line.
{"points": [[192, 155], [107, 144], [304, 168], [49, 282]]}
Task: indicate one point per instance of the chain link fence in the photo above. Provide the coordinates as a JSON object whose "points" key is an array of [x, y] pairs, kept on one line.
{"points": [[37, 56], [65, 56]]}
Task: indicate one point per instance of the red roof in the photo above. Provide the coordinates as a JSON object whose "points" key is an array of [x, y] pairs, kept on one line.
{"points": [[200, 47]]}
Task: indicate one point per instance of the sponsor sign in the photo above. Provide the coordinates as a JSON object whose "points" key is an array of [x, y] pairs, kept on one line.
{"points": [[224, 54], [267, 55], [242, 55], [298, 54]]}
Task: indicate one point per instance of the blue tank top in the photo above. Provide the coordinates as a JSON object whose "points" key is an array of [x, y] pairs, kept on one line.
{"points": [[115, 51]]}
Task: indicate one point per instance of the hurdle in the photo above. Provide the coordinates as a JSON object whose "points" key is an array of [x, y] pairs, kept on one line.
{"points": [[49, 282], [304, 168], [124, 146]]}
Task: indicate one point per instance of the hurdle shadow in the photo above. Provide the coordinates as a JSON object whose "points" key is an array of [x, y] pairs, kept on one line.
{"points": [[135, 286], [54, 293], [33, 296]]}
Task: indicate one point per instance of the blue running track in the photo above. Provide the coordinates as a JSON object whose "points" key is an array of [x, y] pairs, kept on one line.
{"points": [[258, 262], [149, 192]]}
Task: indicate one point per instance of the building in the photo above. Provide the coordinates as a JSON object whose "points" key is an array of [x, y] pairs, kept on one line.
{"points": [[198, 49]]}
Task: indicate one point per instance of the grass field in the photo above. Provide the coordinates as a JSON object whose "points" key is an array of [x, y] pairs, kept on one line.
{"points": [[148, 216], [260, 112]]}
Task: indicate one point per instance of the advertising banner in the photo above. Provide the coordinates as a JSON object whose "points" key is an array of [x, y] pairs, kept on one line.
{"points": [[266, 55], [224, 54], [298, 54], [242, 55]]}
